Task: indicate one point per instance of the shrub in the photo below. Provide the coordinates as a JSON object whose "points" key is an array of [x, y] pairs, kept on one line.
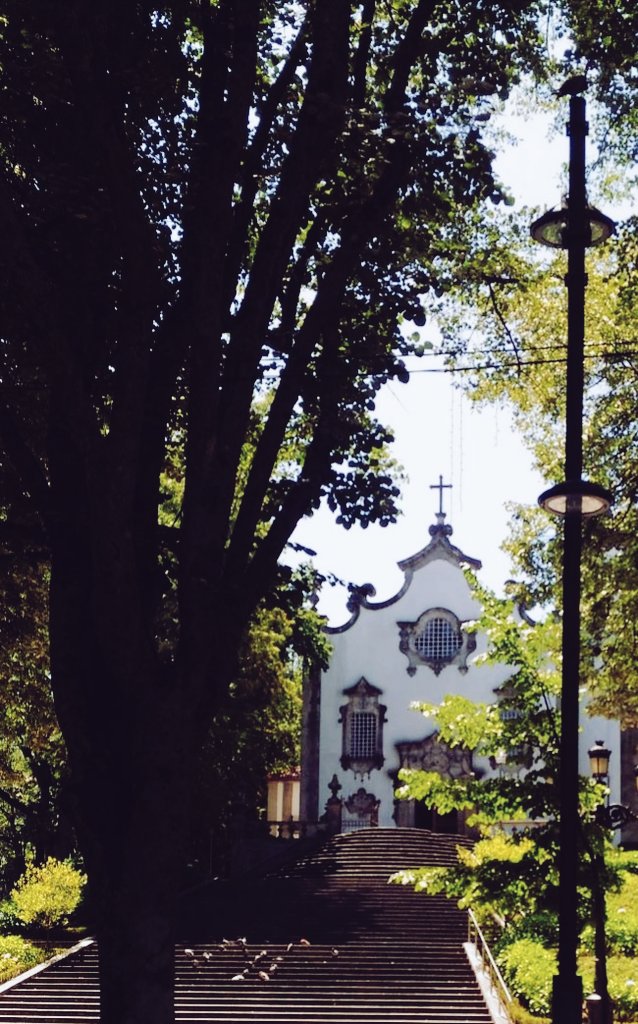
{"points": [[47, 894], [623, 987], [529, 969], [541, 926], [519, 1015], [622, 977], [9, 921], [17, 955]]}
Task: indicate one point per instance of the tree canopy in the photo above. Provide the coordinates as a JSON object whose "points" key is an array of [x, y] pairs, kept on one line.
{"points": [[513, 298], [218, 220], [520, 314]]}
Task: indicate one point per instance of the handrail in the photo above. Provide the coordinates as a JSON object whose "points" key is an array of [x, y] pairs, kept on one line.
{"points": [[475, 936]]}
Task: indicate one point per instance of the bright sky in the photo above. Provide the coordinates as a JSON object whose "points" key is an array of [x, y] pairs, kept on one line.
{"points": [[438, 431]]}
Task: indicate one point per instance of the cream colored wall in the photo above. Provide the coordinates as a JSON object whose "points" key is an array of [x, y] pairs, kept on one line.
{"points": [[370, 648]]}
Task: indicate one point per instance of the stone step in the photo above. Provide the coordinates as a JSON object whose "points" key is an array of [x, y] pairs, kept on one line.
{"points": [[399, 955]]}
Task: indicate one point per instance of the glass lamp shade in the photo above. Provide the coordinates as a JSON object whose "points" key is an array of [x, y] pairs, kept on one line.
{"points": [[599, 760], [576, 497], [552, 228]]}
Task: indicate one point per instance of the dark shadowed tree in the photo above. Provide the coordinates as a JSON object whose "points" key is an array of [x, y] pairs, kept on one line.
{"points": [[217, 217], [33, 779]]}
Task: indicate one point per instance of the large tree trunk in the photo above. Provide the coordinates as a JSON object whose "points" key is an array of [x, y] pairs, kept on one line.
{"points": [[131, 810], [124, 719], [135, 874]]}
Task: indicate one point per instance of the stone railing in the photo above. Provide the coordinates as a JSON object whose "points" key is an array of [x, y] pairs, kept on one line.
{"points": [[290, 829]]}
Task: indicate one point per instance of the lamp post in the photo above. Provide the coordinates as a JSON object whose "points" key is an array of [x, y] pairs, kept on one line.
{"points": [[574, 227], [610, 816], [599, 756]]}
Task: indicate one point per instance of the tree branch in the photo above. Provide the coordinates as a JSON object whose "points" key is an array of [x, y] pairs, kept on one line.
{"points": [[319, 123], [253, 163], [362, 55]]}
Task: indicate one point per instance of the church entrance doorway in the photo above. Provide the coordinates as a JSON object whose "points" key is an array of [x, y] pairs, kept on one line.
{"points": [[433, 820], [431, 755]]}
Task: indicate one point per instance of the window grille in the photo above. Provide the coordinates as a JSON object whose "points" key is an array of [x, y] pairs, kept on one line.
{"points": [[353, 824], [363, 734], [438, 640], [510, 714]]}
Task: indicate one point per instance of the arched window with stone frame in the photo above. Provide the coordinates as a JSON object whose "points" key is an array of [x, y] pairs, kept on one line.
{"points": [[362, 720], [436, 639]]}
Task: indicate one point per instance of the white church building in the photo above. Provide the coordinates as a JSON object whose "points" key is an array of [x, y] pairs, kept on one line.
{"points": [[358, 727]]}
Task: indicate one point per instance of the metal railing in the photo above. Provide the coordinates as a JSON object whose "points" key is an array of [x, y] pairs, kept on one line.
{"points": [[497, 983]]}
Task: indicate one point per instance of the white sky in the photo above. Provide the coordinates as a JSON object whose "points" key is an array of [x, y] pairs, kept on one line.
{"points": [[438, 431]]}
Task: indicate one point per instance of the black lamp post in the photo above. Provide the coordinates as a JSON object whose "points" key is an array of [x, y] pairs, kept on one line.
{"points": [[574, 227], [599, 756], [610, 816]]}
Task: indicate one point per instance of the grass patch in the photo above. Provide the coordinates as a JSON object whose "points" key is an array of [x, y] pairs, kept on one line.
{"points": [[18, 955]]}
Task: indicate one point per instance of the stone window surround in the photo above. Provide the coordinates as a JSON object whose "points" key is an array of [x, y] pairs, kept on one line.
{"points": [[362, 697], [410, 631]]}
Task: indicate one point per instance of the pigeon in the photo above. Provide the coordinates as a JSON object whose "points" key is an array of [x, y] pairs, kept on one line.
{"points": [[573, 86], [304, 942], [264, 976], [238, 977]]}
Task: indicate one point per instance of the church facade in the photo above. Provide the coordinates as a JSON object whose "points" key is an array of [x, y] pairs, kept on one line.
{"points": [[358, 726]]}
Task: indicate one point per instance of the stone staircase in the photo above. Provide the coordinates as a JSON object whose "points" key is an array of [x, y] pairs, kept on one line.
{"points": [[324, 940]]}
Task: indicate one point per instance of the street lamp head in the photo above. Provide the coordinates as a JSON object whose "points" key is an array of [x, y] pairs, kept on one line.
{"points": [[599, 760], [576, 497], [552, 228]]}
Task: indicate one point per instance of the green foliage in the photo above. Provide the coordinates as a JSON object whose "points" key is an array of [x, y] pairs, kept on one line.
{"points": [[529, 962], [623, 984], [217, 202], [256, 732], [464, 723], [444, 794], [621, 926], [516, 305], [511, 872], [604, 37], [47, 894], [18, 955], [508, 875], [520, 1015], [32, 751], [529, 968]]}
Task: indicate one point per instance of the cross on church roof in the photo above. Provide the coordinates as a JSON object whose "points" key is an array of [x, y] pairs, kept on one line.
{"points": [[440, 487]]}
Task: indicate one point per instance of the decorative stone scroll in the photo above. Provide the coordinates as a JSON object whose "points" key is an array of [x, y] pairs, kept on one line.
{"points": [[433, 755], [361, 810]]}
